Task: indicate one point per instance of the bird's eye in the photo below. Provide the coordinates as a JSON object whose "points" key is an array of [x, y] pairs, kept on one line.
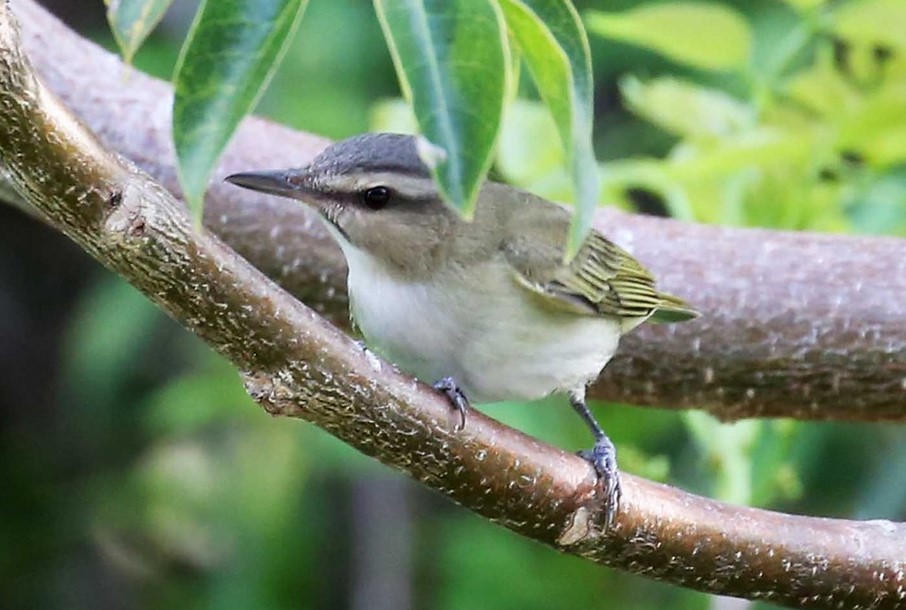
{"points": [[376, 197]]}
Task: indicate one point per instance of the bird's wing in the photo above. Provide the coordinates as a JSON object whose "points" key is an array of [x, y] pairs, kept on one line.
{"points": [[602, 279]]}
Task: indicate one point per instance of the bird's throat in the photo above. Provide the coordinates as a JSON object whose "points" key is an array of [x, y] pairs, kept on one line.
{"points": [[335, 229]]}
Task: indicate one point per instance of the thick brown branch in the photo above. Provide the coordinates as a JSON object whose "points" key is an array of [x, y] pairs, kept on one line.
{"points": [[297, 364], [798, 325]]}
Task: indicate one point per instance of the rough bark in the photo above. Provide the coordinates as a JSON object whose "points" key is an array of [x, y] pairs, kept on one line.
{"points": [[795, 324], [297, 364]]}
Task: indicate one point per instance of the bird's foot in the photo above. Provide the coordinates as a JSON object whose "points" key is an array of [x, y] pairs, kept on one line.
{"points": [[457, 398], [603, 456]]}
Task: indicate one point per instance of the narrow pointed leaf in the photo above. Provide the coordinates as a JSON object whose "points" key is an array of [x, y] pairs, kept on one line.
{"points": [[555, 47], [132, 20], [232, 50], [700, 34], [451, 57]]}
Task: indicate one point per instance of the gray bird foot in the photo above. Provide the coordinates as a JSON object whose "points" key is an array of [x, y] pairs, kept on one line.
{"points": [[603, 456], [457, 398]]}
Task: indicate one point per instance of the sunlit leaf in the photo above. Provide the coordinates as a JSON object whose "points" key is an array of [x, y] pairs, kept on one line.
{"points": [[650, 176], [686, 109], [876, 130], [727, 450], [773, 474], [804, 6], [703, 35], [132, 20], [233, 48], [764, 147], [529, 150], [873, 22], [823, 90], [555, 48], [451, 57]]}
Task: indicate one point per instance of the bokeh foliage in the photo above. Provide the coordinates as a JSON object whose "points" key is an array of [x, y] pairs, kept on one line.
{"points": [[181, 492]]}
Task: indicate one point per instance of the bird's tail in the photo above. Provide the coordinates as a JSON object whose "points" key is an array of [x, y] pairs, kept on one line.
{"points": [[673, 309]]}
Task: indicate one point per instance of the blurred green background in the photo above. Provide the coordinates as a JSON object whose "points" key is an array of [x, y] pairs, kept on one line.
{"points": [[137, 474]]}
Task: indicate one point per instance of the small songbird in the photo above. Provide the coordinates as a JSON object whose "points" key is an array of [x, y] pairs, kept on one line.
{"points": [[486, 308]]}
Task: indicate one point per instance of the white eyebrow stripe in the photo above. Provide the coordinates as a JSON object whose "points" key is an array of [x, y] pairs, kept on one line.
{"points": [[414, 187]]}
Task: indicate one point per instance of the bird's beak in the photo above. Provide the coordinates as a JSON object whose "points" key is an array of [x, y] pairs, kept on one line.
{"points": [[292, 183], [283, 182]]}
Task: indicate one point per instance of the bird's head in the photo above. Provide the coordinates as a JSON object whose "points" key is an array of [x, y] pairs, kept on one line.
{"points": [[374, 192]]}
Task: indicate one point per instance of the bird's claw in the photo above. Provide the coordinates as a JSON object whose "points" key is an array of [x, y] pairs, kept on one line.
{"points": [[457, 398], [603, 456]]}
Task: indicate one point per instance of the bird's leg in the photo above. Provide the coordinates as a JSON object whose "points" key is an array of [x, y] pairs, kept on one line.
{"points": [[456, 396], [603, 456]]}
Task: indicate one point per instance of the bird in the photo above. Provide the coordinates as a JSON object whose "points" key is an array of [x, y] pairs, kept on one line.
{"points": [[487, 309]]}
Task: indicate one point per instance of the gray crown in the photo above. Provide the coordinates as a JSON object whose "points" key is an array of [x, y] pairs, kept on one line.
{"points": [[371, 152]]}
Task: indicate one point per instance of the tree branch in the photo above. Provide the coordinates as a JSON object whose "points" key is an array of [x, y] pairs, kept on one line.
{"points": [[297, 364], [797, 325]]}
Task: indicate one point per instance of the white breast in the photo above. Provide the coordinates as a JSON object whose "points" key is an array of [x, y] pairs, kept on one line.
{"points": [[481, 328]]}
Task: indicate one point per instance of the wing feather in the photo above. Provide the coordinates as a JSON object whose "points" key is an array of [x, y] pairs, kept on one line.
{"points": [[603, 279]]}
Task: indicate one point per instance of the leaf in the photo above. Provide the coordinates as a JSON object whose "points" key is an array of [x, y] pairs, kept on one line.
{"points": [[451, 57], [686, 109], [702, 35], [872, 22], [187, 404], [823, 90], [876, 129], [529, 150], [805, 6], [763, 146], [132, 20], [111, 327], [727, 450], [555, 48], [392, 115], [232, 50]]}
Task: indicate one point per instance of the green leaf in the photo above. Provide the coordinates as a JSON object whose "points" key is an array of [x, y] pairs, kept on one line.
{"points": [[872, 22], [686, 109], [763, 146], [232, 50], [805, 6], [392, 115], [451, 57], [132, 20], [187, 404], [702, 35], [823, 90], [876, 129], [727, 450], [555, 48], [529, 151]]}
